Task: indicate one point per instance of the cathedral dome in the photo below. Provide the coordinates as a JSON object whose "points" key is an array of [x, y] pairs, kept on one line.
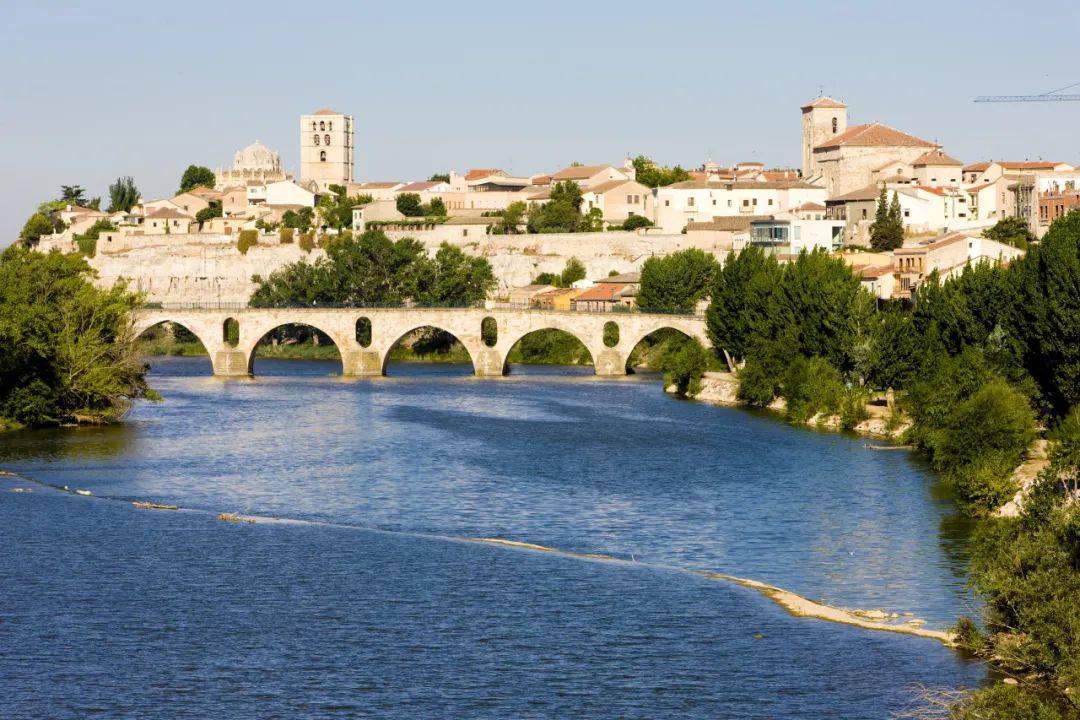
{"points": [[257, 156]]}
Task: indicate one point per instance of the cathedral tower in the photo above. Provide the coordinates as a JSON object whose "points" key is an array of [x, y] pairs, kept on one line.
{"points": [[326, 148]]}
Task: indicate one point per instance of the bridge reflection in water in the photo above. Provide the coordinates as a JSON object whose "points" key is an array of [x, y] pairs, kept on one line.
{"points": [[365, 336]]}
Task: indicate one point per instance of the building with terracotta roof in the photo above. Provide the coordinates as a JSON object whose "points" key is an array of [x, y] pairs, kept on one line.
{"points": [[609, 294], [589, 175], [948, 255], [618, 200], [844, 158]]}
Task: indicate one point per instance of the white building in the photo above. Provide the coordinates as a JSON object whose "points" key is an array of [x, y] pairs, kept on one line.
{"points": [[701, 200]]}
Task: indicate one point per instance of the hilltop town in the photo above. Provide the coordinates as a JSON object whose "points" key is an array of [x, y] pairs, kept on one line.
{"points": [[895, 206]]}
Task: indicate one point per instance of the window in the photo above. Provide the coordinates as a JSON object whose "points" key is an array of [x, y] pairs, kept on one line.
{"points": [[330, 125], [322, 125], [326, 139], [714, 201], [316, 139], [322, 156], [864, 213], [667, 203], [690, 201], [770, 201], [835, 125], [313, 127], [907, 213], [729, 202], [745, 203]]}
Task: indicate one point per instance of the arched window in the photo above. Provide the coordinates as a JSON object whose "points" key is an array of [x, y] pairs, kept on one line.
{"points": [[322, 125], [322, 155], [314, 126], [835, 124], [326, 139], [316, 138], [330, 125]]}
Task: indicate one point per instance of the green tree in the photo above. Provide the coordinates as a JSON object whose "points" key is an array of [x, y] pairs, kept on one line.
{"points": [[649, 173], [676, 282], [211, 211], [123, 195], [1011, 231], [436, 207], [409, 205], [512, 218], [593, 221], [67, 353], [572, 272], [684, 364], [897, 350], [562, 213], [887, 230], [37, 225], [743, 307], [247, 240], [73, 195], [301, 220], [1045, 314], [87, 241], [440, 177], [196, 176], [636, 221], [373, 270], [455, 279]]}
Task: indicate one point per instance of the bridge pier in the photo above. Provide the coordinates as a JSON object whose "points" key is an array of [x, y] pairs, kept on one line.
{"points": [[609, 362], [362, 363], [488, 362], [230, 363]]}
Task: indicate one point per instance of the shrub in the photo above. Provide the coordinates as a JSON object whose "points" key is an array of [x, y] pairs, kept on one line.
{"points": [[684, 364], [247, 240], [286, 236], [636, 221], [307, 241], [87, 245], [811, 386]]}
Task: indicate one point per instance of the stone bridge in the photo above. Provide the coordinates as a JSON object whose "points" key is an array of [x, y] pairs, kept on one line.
{"points": [[390, 325]]}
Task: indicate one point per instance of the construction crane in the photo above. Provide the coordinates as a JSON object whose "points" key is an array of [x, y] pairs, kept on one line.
{"points": [[1052, 96]]}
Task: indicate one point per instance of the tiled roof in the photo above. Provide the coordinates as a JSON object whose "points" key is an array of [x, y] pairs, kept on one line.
{"points": [[606, 186], [478, 173], [167, 214], [823, 102], [627, 277], [976, 167], [1035, 165], [874, 135], [870, 192], [417, 187], [747, 185], [810, 206], [936, 157], [579, 172], [607, 291], [735, 223], [326, 111], [871, 273]]}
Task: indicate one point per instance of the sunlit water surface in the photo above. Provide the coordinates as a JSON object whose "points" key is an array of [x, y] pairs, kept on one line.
{"points": [[110, 611]]}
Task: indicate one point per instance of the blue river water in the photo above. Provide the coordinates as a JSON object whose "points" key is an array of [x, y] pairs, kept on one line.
{"points": [[367, 602]]}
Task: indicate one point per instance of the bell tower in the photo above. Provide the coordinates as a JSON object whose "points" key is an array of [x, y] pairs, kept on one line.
{"points": [[326, 148], [822, 119]]}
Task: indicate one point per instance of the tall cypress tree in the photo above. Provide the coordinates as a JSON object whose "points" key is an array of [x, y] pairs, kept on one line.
{"points": [[880, 227]]}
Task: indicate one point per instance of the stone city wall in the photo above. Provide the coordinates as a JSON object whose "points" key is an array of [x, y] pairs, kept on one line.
{"points": [[208, 268]]}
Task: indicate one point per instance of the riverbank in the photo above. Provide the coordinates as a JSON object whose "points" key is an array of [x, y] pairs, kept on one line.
{"points": [[722, 388]]}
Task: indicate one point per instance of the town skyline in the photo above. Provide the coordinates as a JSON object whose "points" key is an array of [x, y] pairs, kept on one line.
{"points": [[410, 123]]}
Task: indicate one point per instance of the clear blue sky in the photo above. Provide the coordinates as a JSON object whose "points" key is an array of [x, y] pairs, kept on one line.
{"points": [[91, 91]]}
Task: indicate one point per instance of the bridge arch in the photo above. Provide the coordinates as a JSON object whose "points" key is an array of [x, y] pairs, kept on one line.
{"points": [[400, 335], [140, 329], [267, 332], [566, 351]]}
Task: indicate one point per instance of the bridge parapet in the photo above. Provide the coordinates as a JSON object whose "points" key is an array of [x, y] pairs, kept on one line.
{"points": [[389, 325]]}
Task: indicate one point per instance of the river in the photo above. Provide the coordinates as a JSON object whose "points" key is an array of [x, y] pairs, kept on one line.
{"points": [[366, 600]]}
